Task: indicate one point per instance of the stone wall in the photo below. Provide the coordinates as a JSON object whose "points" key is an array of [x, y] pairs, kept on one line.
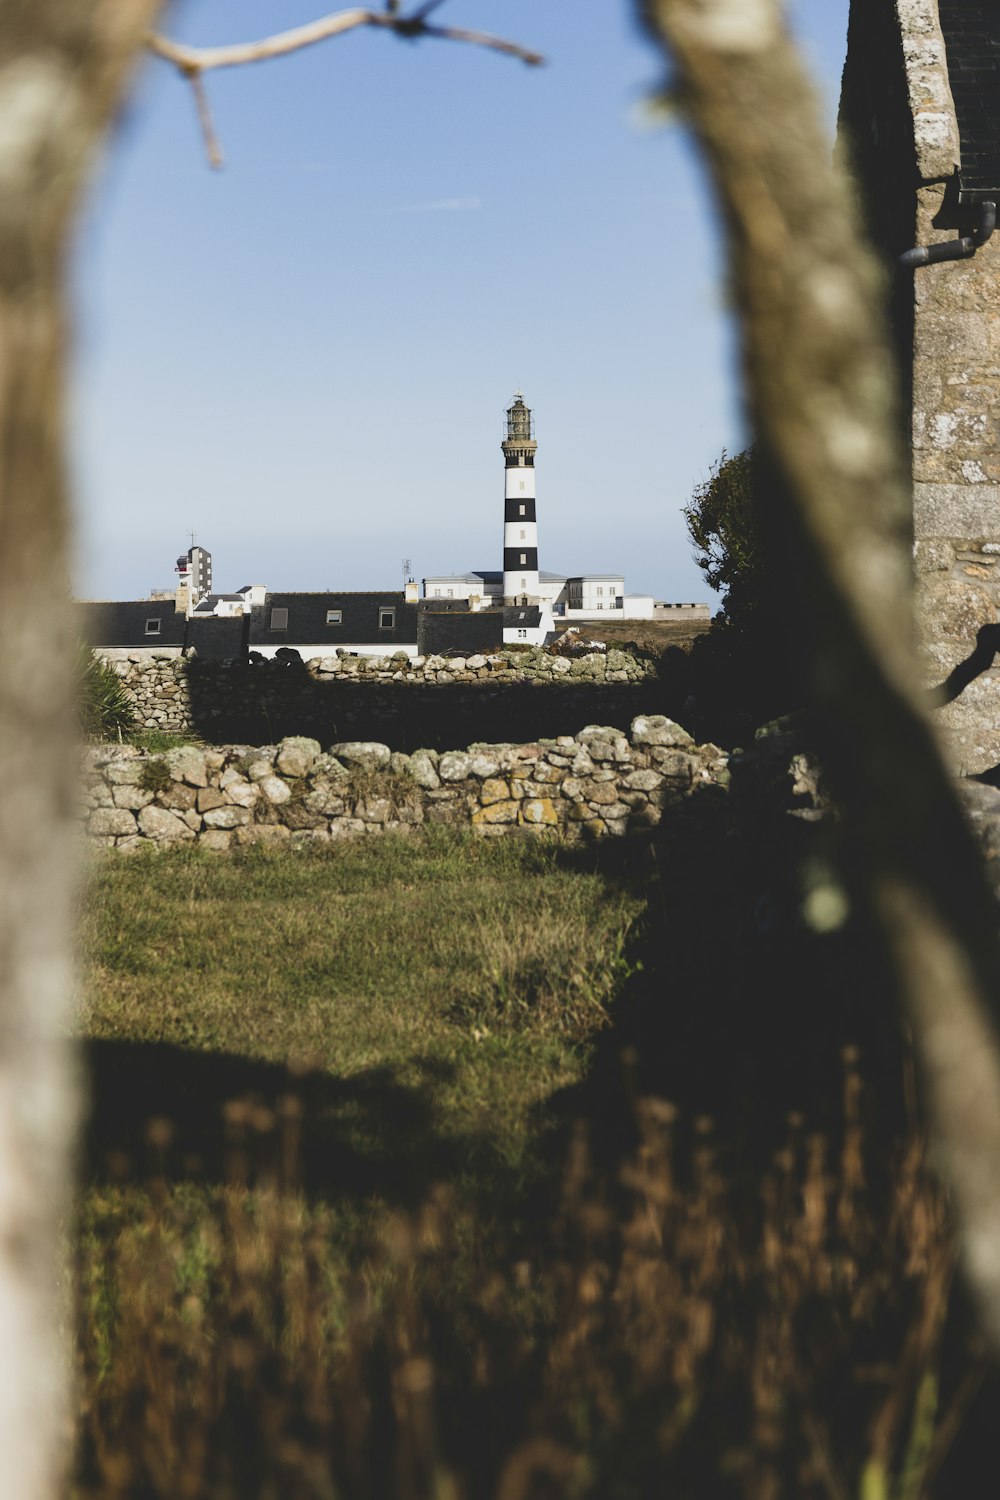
{"points": [[596, 784], [899, 118], [405, 702]]}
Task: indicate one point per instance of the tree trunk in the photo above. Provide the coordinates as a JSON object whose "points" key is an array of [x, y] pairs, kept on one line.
{"points": [[822, 399], [63, 65]]}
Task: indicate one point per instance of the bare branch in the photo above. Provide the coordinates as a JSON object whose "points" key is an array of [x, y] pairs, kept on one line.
{"points": [[478, 39], [191, 60], [213, 149]]}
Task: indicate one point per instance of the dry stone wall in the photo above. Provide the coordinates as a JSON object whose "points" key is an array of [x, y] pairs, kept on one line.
{"points": [[405, 701], [599, 783]]}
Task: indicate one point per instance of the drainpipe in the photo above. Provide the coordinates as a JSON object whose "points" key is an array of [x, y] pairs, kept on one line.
{"points": [[962, 249]]}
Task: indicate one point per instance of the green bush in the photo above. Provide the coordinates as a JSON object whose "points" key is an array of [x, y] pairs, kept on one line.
{"points": [[723, 524], [155, 775], [748, 668], [103, 708]]}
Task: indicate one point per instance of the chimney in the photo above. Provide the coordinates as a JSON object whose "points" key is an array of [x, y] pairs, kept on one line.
{"points": [[410, 592], [182, 594]]}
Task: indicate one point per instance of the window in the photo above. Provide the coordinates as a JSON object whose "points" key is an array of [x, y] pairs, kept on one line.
{"points": [[522, 484], [279, 619], [524, 557], [600, 590], [437, 593], [386, 619], [522, 510], [522, 535], [522, 635], [524, 583], [153, 626], [335, 617], [451, 593]]}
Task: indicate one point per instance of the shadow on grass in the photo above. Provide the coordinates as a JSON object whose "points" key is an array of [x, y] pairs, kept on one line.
{"points": [[163, 1110], [739, 1009]]}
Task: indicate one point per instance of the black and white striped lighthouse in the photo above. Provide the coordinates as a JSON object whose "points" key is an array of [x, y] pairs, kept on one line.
{"points": [[520, 529]]}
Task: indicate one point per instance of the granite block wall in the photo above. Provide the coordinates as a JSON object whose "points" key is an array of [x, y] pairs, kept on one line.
{"points": [[596, 784]]}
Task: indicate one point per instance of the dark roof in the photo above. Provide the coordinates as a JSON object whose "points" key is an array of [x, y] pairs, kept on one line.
{"points": [[485, 576], [511, 616], [206, 605], [218, 637], [462, 632], [359, 620], [971, 30], [521, 617], [477, 576], [121, 623]]}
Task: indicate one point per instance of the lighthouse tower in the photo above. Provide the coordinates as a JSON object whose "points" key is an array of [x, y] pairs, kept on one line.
{"points": [[520, 530]]}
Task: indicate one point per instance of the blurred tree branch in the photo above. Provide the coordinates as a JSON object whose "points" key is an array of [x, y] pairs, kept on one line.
{"points": [[193, 62], [821, 395], [64, 66]]}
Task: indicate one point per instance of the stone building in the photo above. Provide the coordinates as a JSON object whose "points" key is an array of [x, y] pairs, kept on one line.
{"points": [[920, 118]]}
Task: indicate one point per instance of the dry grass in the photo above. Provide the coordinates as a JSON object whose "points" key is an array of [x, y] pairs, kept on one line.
{"points": [[664, 1334], [556, 972], [652, 636]]}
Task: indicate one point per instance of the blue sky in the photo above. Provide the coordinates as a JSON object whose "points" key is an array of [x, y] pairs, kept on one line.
{"points": [[306, 356]]}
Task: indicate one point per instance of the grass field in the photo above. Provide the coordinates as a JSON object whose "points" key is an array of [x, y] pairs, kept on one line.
{"points": [[655, 636], [471, 974], [340, 1238]]}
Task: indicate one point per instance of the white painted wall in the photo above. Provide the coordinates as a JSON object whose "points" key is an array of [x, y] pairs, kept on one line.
{"points": [[136, 653], [527, 636], [460, 588], [662, 611], [519, 483], [639, 607], [522, 583], [365, 648]]}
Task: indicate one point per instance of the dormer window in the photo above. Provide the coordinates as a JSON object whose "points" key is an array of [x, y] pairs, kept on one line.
{"points": [[335, 617], [386, 619], [153, 627]]}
